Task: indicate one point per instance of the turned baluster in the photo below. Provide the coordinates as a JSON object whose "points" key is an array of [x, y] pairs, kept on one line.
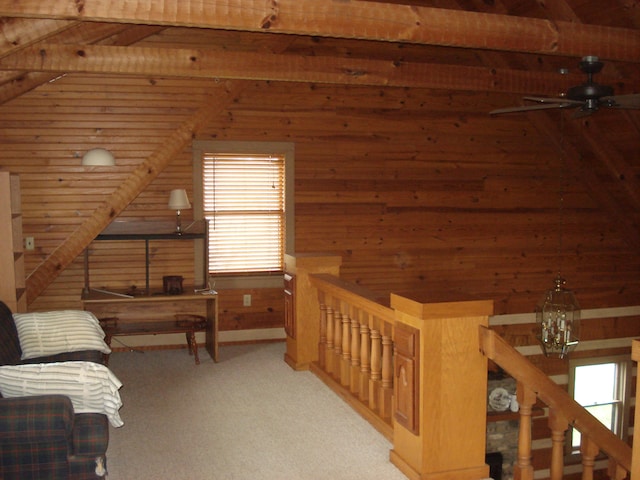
{"points": [[386, 393], [365, 361], [330, 339], [589, 450], [558, 425], [376, 369], [322, 342], [355, 353], [337, 343], [345, 361], [523, 470], [616, 471]]}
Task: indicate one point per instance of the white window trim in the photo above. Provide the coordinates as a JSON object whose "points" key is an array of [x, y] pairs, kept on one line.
{"points": [[199, 147], [626, 376]]}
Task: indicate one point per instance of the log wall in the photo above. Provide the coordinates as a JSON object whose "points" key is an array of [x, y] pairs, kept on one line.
{"points": [[419, 191]]}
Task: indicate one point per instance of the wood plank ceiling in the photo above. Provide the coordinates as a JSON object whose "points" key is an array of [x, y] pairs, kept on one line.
{"points": [[511, 46]]}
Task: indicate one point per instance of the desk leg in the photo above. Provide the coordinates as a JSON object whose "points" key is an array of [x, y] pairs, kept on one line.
{"points": [[193, 345], [211, 341]]}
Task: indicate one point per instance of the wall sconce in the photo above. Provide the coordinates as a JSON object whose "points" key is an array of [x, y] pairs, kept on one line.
{"points": [[98, 157], [178, 200], [558, 321]]}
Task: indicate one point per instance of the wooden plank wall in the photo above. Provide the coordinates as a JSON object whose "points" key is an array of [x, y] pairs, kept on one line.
{"points": [[418, 191]]}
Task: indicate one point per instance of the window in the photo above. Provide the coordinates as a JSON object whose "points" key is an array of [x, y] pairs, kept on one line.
{"points": [[602, 386], [244, 194]]}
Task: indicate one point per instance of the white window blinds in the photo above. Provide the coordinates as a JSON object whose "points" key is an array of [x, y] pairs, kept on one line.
{"points": [[243, 199]]}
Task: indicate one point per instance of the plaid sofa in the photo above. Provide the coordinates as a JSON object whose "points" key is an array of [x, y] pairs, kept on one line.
{"points": [[41, 437]]}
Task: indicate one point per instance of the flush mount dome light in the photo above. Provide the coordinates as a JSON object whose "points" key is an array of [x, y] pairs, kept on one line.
{"points": [[98, 157]]}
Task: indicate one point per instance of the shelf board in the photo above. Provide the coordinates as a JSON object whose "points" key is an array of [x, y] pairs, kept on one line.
{"points": [[153, 230]]}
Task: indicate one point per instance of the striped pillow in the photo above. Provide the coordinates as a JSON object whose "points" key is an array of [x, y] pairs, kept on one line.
{"points": [[92, 387], [60, 331]]}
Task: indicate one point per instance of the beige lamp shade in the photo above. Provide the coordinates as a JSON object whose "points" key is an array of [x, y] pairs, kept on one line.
{"points": [[179, 200], [98, 157]]}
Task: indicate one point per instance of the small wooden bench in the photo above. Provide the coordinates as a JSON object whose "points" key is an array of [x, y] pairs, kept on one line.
{"points": [[187, 324]]}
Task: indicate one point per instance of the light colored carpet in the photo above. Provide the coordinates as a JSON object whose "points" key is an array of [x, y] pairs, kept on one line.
{"points": [[248, 417]]}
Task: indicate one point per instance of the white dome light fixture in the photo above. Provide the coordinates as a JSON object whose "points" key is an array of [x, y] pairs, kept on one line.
{"points": [[98, 157]]}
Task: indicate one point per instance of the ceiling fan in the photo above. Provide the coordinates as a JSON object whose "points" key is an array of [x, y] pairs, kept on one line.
{"points": [[587, 98]]}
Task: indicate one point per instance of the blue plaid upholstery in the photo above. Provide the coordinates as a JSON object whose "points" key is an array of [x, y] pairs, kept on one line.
{"points": [[41, 437]]}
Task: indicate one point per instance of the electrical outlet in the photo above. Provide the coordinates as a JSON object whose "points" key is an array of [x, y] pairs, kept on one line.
{"points": [[29, 243], [246, 300]]}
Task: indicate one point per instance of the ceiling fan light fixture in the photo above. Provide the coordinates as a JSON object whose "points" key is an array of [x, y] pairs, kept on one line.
{"points": [[587, 98]]}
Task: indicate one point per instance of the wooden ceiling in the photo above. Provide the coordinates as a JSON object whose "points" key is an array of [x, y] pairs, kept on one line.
{"points": [[512, 46], [515, 47]]}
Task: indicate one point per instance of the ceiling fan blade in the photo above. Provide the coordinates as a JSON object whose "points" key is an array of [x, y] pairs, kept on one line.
{"points": [[551, 100], [622, 101], [546, 106]]}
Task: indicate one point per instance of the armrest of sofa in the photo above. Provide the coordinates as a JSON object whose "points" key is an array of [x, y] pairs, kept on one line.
{"points": [[80, 356], [37, 419]]}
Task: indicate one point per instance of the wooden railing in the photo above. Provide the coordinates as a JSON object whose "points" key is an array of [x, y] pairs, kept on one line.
{"points": [[418, 372], [355, 348], [563, 411]]}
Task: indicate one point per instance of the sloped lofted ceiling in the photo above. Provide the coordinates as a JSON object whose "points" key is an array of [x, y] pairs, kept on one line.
{"points": [[515, 47]]}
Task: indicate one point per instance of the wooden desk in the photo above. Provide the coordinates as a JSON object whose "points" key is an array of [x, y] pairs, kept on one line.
{"points": [[136, 311]]}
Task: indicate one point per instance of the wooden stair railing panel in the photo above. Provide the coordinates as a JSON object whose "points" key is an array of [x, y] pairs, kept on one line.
{"points": [[355, 350], [563, 411]]}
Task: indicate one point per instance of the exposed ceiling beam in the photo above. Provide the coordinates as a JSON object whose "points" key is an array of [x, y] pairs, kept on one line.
{"points": [[351, 19], [17, 33], [135, 183], [296, 68], [19, 82]]}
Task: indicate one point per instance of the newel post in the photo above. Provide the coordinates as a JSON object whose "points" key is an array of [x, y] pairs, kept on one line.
{"points": [[303, 338], [440, 384]]}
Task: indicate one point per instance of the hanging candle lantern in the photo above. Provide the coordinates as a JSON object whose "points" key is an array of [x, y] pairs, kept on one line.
{"points": [[558, 321]]}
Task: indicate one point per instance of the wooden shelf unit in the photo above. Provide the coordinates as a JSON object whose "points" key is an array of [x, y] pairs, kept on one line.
{"points": [[13, 286], [149, 231]]}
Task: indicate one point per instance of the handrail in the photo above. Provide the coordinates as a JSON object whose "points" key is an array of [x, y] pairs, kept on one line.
{"points": [[355, 295], [523, 371]]}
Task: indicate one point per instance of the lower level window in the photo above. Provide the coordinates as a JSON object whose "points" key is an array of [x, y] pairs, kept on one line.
{"points": [[602, 387]]}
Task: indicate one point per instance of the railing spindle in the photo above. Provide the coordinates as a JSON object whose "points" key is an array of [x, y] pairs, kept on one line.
{"points": [[355, 353], [330, 339], [337, 343], [365, 361], [322, 342], [376, 369], [589, 450], [345, 360], [617, 471], [386, 393], [558, 425], [526, 398]]}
